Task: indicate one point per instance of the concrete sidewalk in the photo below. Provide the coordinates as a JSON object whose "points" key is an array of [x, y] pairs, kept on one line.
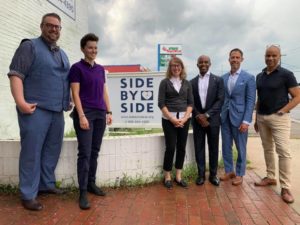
{"points": [[256, 156], [155, 205]]}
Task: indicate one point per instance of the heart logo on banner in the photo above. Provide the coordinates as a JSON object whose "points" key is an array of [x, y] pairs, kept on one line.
{"points": [[147, 95]]}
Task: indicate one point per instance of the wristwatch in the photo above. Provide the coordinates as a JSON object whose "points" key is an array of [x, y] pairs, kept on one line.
{"points": [[109, 112], [207, 115]]}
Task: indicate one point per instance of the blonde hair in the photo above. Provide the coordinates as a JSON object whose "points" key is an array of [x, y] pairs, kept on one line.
{"points": [[177, 61]]}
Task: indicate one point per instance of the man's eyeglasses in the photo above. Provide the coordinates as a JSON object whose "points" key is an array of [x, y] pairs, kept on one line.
{"points": [[52, 26]]}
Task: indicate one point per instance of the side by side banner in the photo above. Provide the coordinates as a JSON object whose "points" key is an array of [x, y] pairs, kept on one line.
{"points": [[133, 99]]}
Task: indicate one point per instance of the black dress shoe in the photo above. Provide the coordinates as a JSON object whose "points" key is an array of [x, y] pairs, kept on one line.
{"points": [[83, 200], [168, 184], [200, 180], [181, 183], [214, 180], [55, 191], [32, 205], [92, 188]]}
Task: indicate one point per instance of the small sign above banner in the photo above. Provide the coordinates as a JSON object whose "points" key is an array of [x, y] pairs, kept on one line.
{"points": [[165, 53], [66, 6], [170, 49]]}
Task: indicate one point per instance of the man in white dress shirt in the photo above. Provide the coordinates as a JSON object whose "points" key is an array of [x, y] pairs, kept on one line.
{"points": [[208, 91]]}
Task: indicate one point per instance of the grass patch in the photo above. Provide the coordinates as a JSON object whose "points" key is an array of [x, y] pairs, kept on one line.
{"points": [[70, 134], [189, 173], [235, 155], [9, 189], [14, 189], [132, 131], [112, 132], [138, 181]]}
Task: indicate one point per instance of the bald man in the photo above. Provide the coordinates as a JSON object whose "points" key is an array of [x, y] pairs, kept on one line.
{"points": [[208, 92], [274, 84]]}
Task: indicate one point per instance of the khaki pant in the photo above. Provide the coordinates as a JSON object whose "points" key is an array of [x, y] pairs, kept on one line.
{"points": [[275, 129]]}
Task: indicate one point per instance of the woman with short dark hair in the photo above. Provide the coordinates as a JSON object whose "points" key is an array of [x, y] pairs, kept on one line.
{"points": [[90, 116]]}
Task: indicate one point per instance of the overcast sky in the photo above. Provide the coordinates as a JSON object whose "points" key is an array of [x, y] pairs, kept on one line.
{"points": [[130, 31]]}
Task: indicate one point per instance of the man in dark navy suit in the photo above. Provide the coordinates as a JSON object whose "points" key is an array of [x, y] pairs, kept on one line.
{"points": [[208, 91]]}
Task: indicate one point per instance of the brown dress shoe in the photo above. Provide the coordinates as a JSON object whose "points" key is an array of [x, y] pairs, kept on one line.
{"points": [[266, 182], [237, 180], [286, 195], [32, 204], [227, 176]]}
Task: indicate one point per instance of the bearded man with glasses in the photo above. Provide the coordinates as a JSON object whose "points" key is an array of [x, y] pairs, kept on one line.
{"points": [[39, 84]]}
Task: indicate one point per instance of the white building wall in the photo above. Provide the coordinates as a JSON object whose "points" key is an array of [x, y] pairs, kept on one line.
{"points": [[21, 19], [130, 156]]}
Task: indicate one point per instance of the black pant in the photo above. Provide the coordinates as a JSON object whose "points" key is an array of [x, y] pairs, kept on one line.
{"points": [[213, 148], [89, 142], [175, 138]]}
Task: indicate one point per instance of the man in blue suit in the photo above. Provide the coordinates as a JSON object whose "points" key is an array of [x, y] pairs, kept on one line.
{"points": [[236, 116]]}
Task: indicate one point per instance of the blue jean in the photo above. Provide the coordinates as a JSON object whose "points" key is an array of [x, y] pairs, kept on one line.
{"points": [[41, 140], [89, 143]]}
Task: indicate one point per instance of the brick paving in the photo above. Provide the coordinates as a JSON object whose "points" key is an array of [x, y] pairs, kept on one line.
{"points": [[154, 205]]}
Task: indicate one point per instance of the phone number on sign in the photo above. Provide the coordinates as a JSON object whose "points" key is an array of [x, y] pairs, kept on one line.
{"points": [[137, 121]]}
